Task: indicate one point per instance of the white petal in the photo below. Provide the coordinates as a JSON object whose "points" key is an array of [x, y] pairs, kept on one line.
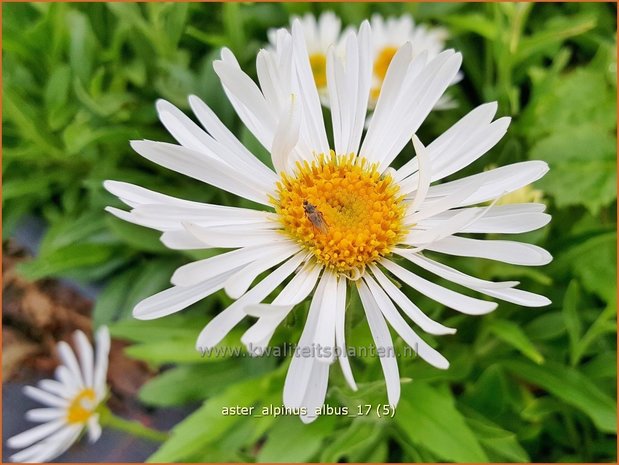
{"points": [[221, 133], [298, 375], [51, 447], [408, 307], [425, 173], [398, 323], [494, 183], [447, 297], [316, 391], [94, 429], [45, 414], [221, 325], [237, 284], [103, 341], [182, 240], [518, 296], [340, 337], [246, 98], [382, 339], [56, 388], [86, 356], [324, 338], [201, 270], [205, 168], [234, 236], [286, 136], [452, 274], [500, 224], [177, 298], [516, 253], [35, 434], [68, 359], [308, 94]]}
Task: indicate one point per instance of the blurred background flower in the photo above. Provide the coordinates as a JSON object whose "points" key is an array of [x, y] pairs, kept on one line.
{"points": [[79, 81]]}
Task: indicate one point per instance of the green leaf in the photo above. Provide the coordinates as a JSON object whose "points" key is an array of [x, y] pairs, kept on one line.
{"points": [[429, 418], [66, 259], [511, 334], [208, 423], [187, 384], [290, 440], [500, 444], [355, 439], [572, 318], [572, 387]]}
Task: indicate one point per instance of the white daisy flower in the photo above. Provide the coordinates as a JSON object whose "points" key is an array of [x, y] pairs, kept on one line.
{"points": [[388, 35], [71, 399], [332, 215]]}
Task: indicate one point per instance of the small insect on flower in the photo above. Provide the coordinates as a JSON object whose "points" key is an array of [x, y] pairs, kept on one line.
{"points": [[315, 217]]}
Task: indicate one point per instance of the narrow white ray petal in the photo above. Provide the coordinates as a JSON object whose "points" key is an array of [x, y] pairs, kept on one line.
{"points": [[494, 183], [56, 388], [451, 274], [68, 359], [398, 323], [234, 236], [425, 173], [286, 135], [390, 89], [340, 336], [86, 357], [518, 296], [447, 297], [177, 298], [325, 327], [182, 240], [246, 98], [505, 224], [478, 117], [237, 284], [408, 307], [316, 391], [434, 207], [222, 134], [308, 94], [45, 414], [94, 429], [297, 377], [201, 270], [441, 229], [384, 344], [35, 434], [205, 168], [50, 447], [221, 325], [102, 352], [67, 378], [134, 195], [516, 253], [271, 315]]}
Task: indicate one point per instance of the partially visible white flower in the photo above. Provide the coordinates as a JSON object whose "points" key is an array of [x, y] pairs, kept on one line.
{"points": [[388, 35], [71, 401]]}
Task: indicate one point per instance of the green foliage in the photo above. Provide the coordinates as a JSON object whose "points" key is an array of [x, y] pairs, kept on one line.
{"points": [[80, 81]]}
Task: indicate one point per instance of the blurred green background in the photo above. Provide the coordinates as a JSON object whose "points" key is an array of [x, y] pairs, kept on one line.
{"points": [[80, 81]]}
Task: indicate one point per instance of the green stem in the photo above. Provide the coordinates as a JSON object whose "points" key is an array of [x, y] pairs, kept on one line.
{"points": [[135, 428]]}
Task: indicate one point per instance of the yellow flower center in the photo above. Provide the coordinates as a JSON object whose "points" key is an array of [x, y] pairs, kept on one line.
{"points": [[342, 211], [318, 62], [81, 408], [381, 64]]}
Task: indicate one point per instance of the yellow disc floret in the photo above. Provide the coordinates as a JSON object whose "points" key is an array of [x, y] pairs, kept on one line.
{"points": [[341, 210], [81, 407]]}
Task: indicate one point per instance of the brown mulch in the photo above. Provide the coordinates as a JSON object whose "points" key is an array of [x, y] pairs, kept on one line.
{"points": [[36, 315]]}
